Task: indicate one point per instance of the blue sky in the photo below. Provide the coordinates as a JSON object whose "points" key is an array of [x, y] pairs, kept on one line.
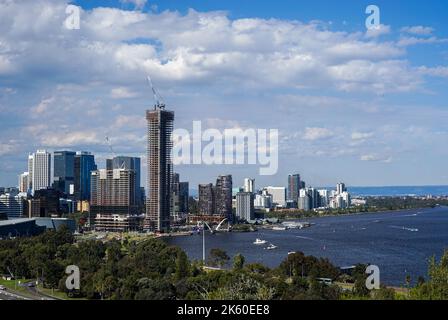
{"points": [[368, 109]]}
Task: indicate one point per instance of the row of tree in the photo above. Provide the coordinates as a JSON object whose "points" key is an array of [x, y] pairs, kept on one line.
{"points": [[153, 270]]}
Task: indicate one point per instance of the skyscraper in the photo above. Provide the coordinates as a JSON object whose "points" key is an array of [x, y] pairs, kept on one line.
{"points": [[206, 199], [84, 165], [278, 196], [245, 206], [130, 163], [41, 170], [340, 188], [24, 183], [113, 201], [183, 197], [64, 171], [249, 185], [159, 203], [293, 187], [30, 172], [12, 205], [223, 196]]}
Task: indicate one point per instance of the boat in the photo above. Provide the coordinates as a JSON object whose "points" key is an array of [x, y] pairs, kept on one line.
{"points": [[271, 247], [259, 241], [291, 252], [279, 228]]}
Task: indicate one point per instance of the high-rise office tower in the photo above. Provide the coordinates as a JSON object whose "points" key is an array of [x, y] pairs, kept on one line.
{"points": [[24, 183], [249, 185], [113, 202], [30, 172], [340, 188], [64, 171], [12, 205], [293, 187], [183, 197], [223, 196], [159, 202], [278, 196], [245, 206], [84, 165], [41, 170], [175, 195], [206, 199], [130, 163]]}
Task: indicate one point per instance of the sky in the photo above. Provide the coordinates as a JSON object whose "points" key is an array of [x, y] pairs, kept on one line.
{"points": [[365, 107]]}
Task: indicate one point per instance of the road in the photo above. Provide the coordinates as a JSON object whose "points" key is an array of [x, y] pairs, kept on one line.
{"points": [[32, 294], [7, 295]]}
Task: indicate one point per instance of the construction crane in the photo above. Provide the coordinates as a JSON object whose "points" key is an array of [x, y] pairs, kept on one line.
{"points": [[159, 103], [110, 146]]}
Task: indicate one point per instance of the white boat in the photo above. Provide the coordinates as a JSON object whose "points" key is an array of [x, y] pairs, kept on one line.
{"points": [[259, 241], [291, 252], [271, 247], [279, 228]]}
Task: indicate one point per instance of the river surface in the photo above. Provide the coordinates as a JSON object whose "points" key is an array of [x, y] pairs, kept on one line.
{"points": [[400, 243]]}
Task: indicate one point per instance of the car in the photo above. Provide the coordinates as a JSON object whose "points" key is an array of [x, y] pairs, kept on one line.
{"points": [[2, 287]]}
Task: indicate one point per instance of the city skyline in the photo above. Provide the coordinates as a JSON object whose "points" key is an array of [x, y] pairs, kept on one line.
{"points": [[384, 125]]}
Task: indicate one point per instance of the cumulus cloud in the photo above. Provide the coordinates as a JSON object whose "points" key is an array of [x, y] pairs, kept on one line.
{"points": [[409, 41], [418, 30], [70, 139], [43, 105], [317, 133], [304, 77], [361, 135], [376, 158], [122, 93], [139, 4], [439, 71]]}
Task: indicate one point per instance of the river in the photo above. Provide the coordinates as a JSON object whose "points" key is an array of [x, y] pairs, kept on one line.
{"points": [[400, 242]]}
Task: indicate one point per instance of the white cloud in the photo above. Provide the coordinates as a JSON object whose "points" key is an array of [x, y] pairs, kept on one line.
{"points": [[409, 41], [139, 4], [376, 158], [376, 32], [70, 139], [122, 93], [6, 149], [315, 133], [130, 122], [418, 30], [439, 71], [361, 135], [42, 107]]}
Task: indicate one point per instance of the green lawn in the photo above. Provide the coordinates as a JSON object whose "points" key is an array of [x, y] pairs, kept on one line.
{"points": [[11, 285], [56, 294]]}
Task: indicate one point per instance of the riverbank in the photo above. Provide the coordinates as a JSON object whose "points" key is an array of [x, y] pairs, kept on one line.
{"points": [[289, 216]]}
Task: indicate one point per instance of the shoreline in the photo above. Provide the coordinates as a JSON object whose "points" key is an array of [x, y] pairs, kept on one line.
{"points": [[355, 213]]}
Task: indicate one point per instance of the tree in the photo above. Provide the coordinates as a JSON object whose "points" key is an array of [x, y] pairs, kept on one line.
{"points": [[238, 262], [218, 257], [182, 266], [436, 288]]}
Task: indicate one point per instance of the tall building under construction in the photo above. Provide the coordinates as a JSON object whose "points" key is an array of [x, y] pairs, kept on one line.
{"points": [[159, 201]]}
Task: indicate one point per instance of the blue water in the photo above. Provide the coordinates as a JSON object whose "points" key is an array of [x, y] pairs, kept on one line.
{"points": [[399, 191], [383, 239], [387, 191]]}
